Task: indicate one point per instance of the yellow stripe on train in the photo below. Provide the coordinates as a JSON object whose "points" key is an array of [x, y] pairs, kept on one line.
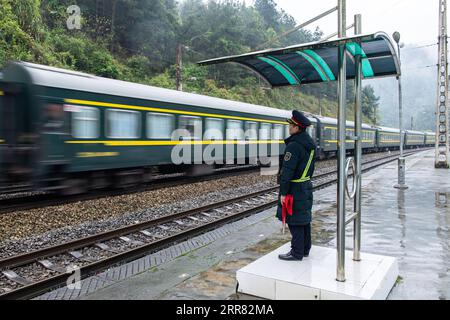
{"points": [[97, 154], [119, 143]]}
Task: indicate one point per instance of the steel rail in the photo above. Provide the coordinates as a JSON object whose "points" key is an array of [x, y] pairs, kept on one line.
{"points": [[48, 199]]}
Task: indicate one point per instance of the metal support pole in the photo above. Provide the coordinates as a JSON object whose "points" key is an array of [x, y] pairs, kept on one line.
{"points": [[358, 148], [442, 124], [336, 33], [342, 117], [401, 160], [300, 26]]}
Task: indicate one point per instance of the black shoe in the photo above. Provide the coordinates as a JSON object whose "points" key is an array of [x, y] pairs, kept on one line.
{"points": [[288, 257], [306, 255]]}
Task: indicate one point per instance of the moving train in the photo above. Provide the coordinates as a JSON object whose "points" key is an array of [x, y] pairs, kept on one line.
{"points": [[71, 132]]}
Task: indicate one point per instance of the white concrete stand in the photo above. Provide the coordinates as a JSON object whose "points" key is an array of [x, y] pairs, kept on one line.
{"points": [[314, 278]]}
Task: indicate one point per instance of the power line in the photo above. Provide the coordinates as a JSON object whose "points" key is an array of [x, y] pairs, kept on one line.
{"points": [[424, 67], [420, 47]]}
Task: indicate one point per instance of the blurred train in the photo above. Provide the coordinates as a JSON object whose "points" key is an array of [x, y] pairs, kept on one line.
{"points": [[71, 132]]}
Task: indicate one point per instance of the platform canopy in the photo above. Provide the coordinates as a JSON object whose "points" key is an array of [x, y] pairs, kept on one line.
{"points": [[318, 61]]}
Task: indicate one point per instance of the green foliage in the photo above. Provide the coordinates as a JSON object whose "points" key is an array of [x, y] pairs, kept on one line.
{"points": [[370, 103], [27, 13], [163, 80], [137, 40]]}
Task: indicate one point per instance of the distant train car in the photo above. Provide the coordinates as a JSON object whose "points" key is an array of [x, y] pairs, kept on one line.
{"points": [[388, 139], [414, 139], [430, 139], [329, 136]]}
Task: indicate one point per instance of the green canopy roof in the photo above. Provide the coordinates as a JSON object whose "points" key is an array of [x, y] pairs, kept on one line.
{"points": [[318, 61]]}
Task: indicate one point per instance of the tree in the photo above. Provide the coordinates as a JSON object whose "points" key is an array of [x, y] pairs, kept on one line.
{"points": [[370, 103], [268, 11], [28, 16]]}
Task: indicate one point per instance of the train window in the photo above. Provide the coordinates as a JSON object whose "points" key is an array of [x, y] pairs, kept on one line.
{"points": [[331, 133], [160, 125], [251, 130], [85, 123], [214, 129], [122, 124], [235, 130], [287, 134], [277, 133], [193, 125], [53, 122], [312, 132], [264, 131]]}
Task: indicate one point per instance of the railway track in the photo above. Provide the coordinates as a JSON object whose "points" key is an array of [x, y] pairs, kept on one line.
{"points": [[31, 200], [31, 274], [40, 200]]}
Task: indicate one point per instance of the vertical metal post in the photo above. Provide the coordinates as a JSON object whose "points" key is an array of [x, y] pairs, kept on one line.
{"points": [[342, 117], [442, 138], [401, 176], [358, 148], [401, 160]]}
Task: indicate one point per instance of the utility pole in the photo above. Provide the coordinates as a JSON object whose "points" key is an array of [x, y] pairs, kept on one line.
{"points": [[320, 105], [375, 114], [401, 160], [179, 68], [442, 143]]}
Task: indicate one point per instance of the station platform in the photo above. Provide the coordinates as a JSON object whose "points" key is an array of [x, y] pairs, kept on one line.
{"points": [[411, 226]]}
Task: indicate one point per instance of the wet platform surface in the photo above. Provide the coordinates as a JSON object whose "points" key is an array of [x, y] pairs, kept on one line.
{"points": [[411, 225]]}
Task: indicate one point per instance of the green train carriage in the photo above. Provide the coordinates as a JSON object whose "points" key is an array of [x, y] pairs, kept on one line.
{"points": [[414, 139], [430, 139], [388, 138], [328, 139], [71, 129]]}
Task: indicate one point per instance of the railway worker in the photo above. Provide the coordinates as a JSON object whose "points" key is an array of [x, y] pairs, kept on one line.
{"points": [[296, 191]]}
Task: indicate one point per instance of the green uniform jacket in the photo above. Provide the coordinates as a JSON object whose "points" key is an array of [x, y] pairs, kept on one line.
{"points": [[299, 152]]}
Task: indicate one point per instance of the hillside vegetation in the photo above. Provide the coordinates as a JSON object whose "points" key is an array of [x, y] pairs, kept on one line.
{"points": [[137, 40]]}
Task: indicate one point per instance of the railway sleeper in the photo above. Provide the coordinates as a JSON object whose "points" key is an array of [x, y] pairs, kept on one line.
{"points": [[13, 276]]}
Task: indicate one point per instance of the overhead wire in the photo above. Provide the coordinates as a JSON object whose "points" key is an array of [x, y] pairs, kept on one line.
{"points": [[421, 47]]}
